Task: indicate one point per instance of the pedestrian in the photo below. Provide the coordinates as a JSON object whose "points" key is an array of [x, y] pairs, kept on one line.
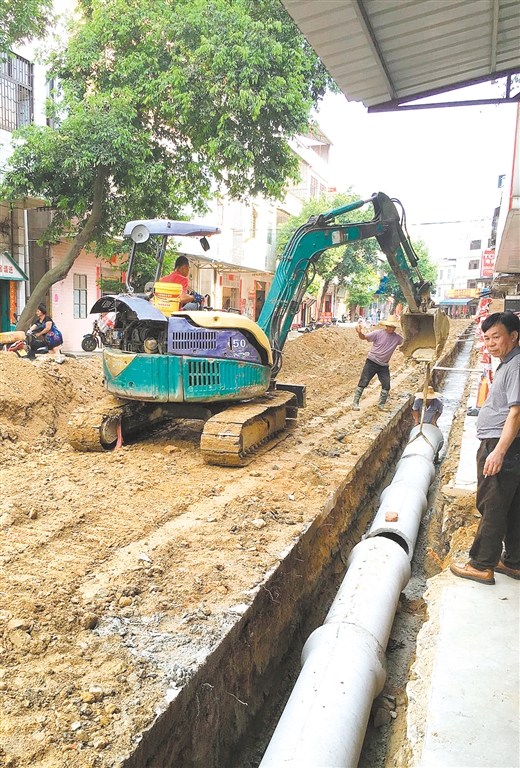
{"points": [[179, 275], [433, 410], [44, 331], [498, 460], [384, 343]]}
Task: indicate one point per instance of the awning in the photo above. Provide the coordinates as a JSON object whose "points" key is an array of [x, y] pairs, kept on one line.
{"points": [[206, 262], [387, 54], [9, 269], [457, 302]]}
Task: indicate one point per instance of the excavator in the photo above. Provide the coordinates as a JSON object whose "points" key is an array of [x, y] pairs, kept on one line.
{"points": [[221, 367]]}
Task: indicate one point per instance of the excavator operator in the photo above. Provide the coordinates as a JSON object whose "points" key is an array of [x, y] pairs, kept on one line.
{"points": [[179, 275]]}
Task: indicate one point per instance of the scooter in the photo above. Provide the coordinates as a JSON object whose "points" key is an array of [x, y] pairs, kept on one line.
{"points": [[28, 347], [92, 341]]}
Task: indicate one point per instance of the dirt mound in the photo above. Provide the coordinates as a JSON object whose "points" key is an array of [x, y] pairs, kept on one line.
{"points": [[36, 397]]}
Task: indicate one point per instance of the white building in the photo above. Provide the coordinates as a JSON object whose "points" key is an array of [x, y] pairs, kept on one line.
{"points": [[237, 271]]}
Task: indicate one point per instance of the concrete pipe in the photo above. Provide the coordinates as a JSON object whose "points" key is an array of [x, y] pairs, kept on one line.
{"points": [[417, 469], [427, 442], [325, 719], [400, 513]]}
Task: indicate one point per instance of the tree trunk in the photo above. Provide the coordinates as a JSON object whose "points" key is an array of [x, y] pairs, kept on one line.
{"points": [[321, 304], [62, 269]]}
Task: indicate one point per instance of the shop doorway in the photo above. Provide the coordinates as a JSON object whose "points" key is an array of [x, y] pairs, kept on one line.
{"points": [[5, 320], [230, 298]]}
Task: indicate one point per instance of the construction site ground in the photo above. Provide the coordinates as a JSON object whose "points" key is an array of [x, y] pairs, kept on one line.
{"points": [[122, 571]]}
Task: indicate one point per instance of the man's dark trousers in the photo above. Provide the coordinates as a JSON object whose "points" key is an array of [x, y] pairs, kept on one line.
{"points": [[498, 501], [371, 369]]}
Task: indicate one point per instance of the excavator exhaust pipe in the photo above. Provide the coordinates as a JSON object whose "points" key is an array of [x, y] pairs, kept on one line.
{"points": [[425, 334]]}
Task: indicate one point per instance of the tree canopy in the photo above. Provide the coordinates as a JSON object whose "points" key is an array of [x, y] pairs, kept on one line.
{"points": [[161, 103], [427, 268], [22, 20]]}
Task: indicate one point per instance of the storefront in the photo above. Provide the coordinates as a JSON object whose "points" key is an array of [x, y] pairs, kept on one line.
{"points": [[229, 286], [11, 275], [459, 307]]}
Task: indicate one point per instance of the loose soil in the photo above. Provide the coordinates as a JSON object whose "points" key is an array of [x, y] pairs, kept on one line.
{"points": [[120, 570]]}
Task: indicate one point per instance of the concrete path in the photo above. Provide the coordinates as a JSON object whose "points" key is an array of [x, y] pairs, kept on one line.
{"points": [[473, 715], [465, 688]]}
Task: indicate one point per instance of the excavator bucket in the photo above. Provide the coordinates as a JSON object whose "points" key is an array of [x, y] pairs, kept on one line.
{"points": [[425, 334]]}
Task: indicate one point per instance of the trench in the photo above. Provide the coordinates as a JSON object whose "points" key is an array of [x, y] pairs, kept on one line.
{"points": [[259, 658], [381, 741]]}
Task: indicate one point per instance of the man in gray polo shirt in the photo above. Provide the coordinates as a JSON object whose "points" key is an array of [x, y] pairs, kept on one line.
{"points": [[498, 460]]}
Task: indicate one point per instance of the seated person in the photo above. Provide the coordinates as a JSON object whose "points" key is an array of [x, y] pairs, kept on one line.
{"points": [[434, 407], [43, 332], [179, 275]]}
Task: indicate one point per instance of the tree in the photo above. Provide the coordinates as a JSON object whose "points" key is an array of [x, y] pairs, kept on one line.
{"points": [[162, 103], [357, 261], [23, 20], [427, 269]]}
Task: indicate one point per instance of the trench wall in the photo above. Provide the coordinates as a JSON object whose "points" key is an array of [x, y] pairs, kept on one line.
{"points": [[207, 724]]}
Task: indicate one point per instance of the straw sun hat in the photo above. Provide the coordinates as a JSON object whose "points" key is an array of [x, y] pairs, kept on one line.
{"points": [[391, 320], [431, 394]]}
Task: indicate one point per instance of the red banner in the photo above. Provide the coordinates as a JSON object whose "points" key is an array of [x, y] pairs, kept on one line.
{"points": [[487, 263]]}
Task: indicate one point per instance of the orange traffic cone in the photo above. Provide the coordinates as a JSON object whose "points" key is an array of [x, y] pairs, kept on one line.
{"points": [[483, 391]]}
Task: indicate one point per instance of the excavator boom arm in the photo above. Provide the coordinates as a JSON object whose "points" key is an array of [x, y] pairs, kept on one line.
{"points": [[294, 272]]}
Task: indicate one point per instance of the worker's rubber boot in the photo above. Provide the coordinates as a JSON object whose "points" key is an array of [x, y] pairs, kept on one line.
{"points": [[382, 399], [357, 397]]}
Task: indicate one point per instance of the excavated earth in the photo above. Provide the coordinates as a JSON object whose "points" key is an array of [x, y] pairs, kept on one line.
{"points": [[123, 572]]}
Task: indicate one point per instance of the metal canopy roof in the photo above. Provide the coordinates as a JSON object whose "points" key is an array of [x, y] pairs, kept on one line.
{"points": [[386, 53]]}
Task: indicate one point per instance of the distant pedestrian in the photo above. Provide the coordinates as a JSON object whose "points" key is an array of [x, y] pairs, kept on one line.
{"points": [[433, 410], [384, 343], [498, 460]]}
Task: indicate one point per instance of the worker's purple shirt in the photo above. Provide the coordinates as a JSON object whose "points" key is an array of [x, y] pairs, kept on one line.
{"points": [[383, 345]]}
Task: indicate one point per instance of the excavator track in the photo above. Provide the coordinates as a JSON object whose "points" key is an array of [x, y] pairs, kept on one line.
{"points": [[230, 437], [94, 428]]}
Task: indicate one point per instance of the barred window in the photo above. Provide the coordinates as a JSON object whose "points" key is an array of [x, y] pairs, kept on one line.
{"points": [[16, 92], [314, 187], [80, 296]]}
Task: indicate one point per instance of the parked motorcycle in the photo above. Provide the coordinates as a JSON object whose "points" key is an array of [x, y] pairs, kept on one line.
{"points": [[92, 341], [23, 344]]}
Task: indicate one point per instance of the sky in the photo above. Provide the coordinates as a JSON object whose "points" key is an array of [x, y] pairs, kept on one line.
{"points": [[443, 164]]}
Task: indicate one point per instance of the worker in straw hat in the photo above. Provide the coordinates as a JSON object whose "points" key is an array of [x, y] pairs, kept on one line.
{"points": [[384, 343], [433, 406]]}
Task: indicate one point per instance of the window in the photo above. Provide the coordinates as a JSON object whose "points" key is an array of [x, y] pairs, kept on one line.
{"points": [[282, 217], [269, 233], [474, 264], [16, 92], [80, 296], [314, 187], [323, 190], [472, 283], [441, 272], [475, 245]]}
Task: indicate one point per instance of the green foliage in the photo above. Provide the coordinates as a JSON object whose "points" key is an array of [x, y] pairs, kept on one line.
{"points": [[427, 268], [23, 20], [361, 287], [143, 268], [162, 102]]}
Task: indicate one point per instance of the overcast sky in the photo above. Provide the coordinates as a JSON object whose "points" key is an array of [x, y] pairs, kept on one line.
{"points": [[443, 164]]}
